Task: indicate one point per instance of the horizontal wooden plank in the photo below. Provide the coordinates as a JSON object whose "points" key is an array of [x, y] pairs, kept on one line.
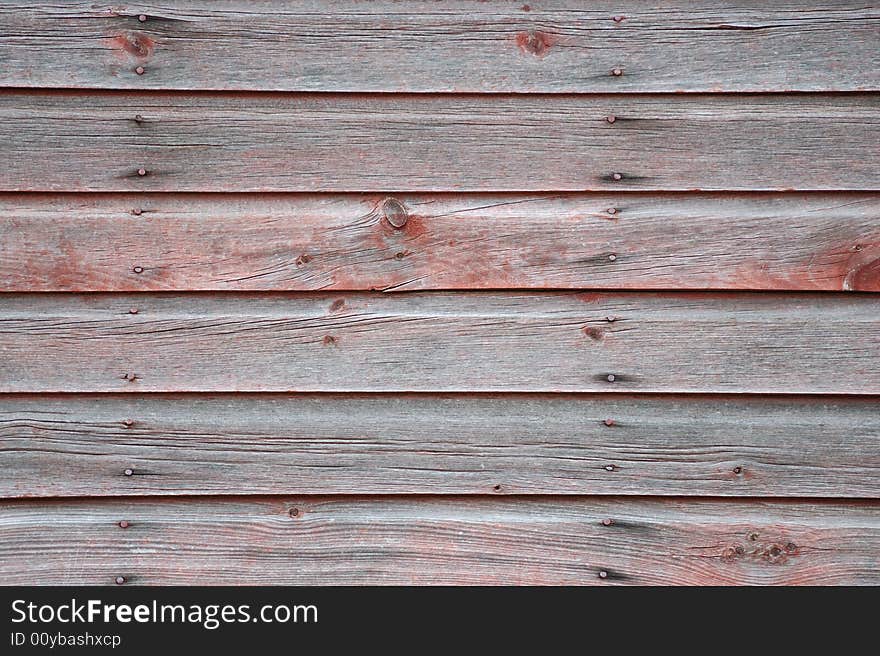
{"points": [[106, 141], [467, 45], [440, 341], [71, 242], [430, 540], [414, 444]]}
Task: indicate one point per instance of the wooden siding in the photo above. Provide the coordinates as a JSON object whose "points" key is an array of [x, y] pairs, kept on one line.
{"points": [[163, 141], [632, 337], [449, 46], [456, 540], [62, 243], [82, 445], [442, 341]]}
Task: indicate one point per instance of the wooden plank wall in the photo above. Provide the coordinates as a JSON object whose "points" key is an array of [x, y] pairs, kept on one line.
{"points": [[418, 292]]}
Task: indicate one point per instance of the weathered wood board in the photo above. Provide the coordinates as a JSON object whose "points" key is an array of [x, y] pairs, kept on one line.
{"points": [[82, 445], [547, 46], [121, 141], [72, 242], [457, 540], [441, 341]]}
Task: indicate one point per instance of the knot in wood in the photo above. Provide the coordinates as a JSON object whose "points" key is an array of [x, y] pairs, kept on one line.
{"points": [[535, 43], [394, 212]]}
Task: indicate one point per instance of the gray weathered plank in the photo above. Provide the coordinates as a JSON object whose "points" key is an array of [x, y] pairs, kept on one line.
{"points": [[549, 46], [430, 540], [392, 444], [71, 242], [441, 341], [106, 141]]}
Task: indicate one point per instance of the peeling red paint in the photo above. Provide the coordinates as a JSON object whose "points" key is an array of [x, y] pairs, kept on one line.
{"points": [[590, 297], [865, 278]]}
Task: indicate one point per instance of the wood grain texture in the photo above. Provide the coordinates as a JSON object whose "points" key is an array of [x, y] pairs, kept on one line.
{"points": [[119, 141], [452, 540], [429, 444], [441, 341], [71, 242], [549, 46]]}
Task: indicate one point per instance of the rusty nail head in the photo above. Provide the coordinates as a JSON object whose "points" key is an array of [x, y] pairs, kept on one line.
{"points": [[138, 269], [607, 522], [142, 18], [139, 70], [133, 311], [612, 257], [608, 422], [737, 470], [612, 210], [617, 176], [137, 211], [138, 118], [617, 72], [611, 118], [497, 487], [293, 512], [120, 580], [128, 423], [611, 378], [618, 19], [128, 472], [123, 524], [603, 574], [142, 172]]}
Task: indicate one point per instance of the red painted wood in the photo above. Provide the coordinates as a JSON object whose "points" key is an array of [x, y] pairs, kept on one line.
{"points": [[72, 242]]}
